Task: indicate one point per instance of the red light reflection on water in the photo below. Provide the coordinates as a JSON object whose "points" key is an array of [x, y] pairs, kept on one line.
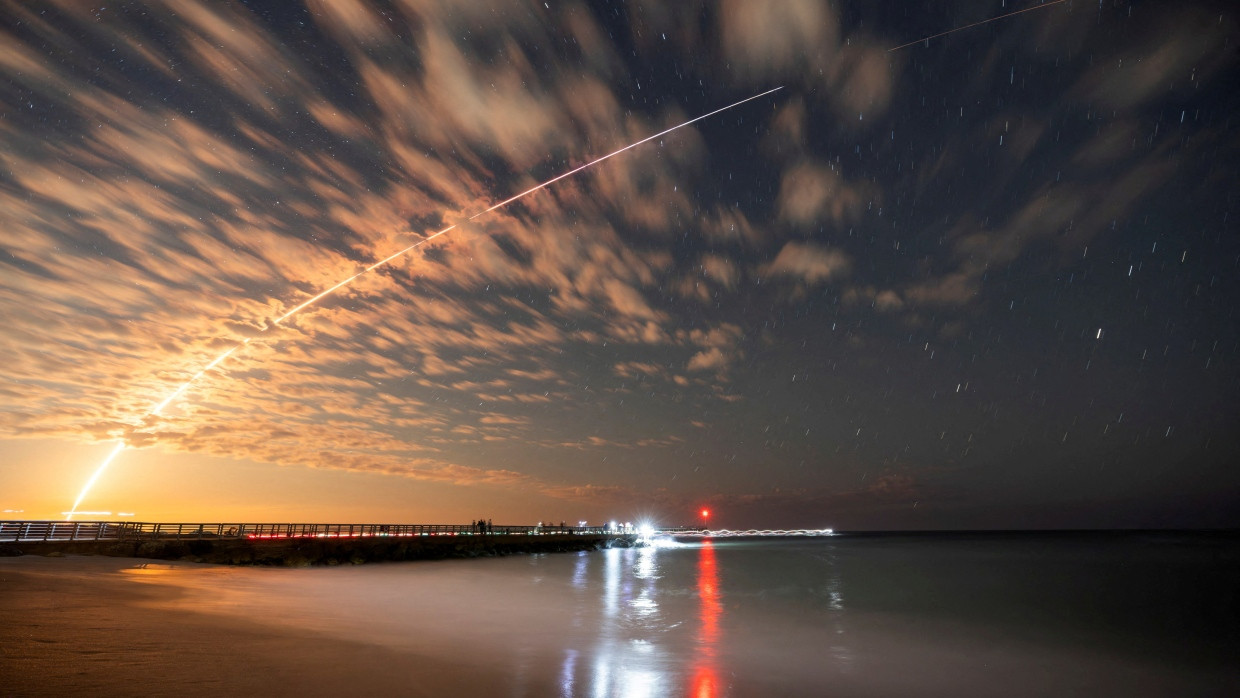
{"points": [[705, 680]]}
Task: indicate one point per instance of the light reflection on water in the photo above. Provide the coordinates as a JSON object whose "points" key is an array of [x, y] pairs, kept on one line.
{"points": [[705, 682], [629, 654], [713, 619]]}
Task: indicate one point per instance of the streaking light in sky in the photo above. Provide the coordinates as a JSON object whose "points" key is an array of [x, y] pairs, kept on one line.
{"points": [[975, 24], [103, 465], [120, 444]]}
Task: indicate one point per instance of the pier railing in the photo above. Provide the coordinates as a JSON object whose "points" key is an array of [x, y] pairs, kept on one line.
{"points": [[33, 531]]}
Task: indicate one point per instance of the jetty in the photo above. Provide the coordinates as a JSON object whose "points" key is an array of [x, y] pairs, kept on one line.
{"points": [[299, 544]]}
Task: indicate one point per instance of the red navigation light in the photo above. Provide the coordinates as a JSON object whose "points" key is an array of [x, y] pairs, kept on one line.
{"points": [[706, 513]]}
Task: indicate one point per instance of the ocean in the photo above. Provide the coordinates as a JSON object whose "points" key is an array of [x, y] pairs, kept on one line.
{"points": [[848, 615]]}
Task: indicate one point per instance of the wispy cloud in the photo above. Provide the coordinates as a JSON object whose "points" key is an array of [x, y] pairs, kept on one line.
{"points": [[156, 234]]}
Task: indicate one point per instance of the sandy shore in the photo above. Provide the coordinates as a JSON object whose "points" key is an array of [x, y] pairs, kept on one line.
{"points": [[87, 626]]}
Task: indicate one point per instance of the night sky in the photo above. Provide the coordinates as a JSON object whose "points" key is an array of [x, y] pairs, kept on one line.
{"points": [[987, 280]]}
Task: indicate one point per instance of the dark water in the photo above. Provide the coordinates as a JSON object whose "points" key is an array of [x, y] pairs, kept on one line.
{"points": [[884, 616]]}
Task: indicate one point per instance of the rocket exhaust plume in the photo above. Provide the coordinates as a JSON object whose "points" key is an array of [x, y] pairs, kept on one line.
{"points": [[975, 24], [120, 444]]}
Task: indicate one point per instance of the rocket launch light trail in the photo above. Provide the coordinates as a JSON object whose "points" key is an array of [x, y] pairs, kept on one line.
{"points": [[120, 444], [975, 24]]}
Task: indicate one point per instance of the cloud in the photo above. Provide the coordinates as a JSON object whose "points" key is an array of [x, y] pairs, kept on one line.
{"points": [[351, 21], [899, 487], [888, 489], [503, 419], [708, 360], [1102, 175], [810, 193], [720, 348], [808, 263], [626, 300], [1184, 48], [594, 494], [634, 369], [1066, 216], [951, 289], [861, 78], [770, 41], [800, 41], [788, 130], [882, 300], [226, 43], [721, 270], [729, 226], [1111, 145]]}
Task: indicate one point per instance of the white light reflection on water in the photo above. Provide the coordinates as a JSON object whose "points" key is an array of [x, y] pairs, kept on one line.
{"points": [[645, 605], [568, 673], [630, 656], [839, 648]]}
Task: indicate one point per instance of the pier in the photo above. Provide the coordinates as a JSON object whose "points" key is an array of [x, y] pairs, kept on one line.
{"points": [[699, 532], [298, 544]]}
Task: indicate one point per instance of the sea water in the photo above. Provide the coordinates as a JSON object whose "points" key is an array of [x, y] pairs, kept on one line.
{"points": [[844, 615]]}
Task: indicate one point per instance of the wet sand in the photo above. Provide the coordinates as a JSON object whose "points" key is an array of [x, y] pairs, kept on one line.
{"points": [[87, 626]]}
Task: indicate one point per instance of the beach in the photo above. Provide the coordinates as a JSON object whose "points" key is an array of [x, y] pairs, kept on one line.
{"points": [[81, 625], [929, 615]]}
